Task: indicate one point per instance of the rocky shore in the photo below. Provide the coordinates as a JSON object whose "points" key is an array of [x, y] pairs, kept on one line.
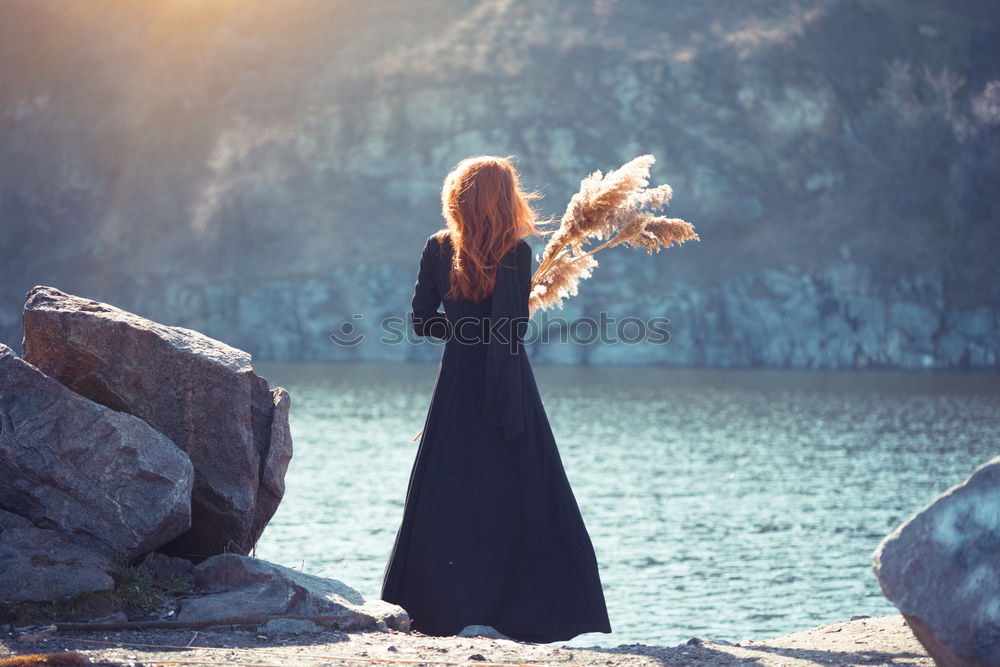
{"points": [[142, 462], [863, 641]]}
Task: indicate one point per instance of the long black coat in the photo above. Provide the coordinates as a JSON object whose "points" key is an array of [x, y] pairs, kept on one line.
{"points": [[491, 532]]}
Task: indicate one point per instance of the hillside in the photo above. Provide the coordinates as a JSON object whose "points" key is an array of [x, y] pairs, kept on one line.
{"points": [[241, 168]]}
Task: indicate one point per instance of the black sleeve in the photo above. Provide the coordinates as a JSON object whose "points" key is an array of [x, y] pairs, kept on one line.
{"points": [[427, 319], [524, 271]]}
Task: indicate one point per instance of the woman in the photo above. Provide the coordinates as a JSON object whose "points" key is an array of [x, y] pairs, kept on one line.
{"points": [[491, 532]]}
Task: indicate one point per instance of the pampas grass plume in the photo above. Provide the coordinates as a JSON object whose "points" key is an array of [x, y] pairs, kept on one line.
{"points": [[613, 208]]}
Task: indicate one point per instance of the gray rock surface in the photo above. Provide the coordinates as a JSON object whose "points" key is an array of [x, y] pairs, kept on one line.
{"points": [[199, 392], [233, 586], [40, 565], [275, 463], [277, 627], [11, 520], [941, 569], [481, 631], [103, 478], [169, 569]]}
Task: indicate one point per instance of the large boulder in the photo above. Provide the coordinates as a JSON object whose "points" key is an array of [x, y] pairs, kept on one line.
{"points": [[11, 520], [232, 587], [41, 565], [104, 478], [200, 393], [942, 569]]}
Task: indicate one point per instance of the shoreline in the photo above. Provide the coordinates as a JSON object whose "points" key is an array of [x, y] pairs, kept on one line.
{"points": [[863, 641]]}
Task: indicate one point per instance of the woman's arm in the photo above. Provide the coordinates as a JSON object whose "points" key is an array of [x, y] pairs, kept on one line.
{"points": [[427, 319]]}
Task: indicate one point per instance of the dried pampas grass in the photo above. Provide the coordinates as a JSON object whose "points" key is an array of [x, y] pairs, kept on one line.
{"points": [[614, 209]]}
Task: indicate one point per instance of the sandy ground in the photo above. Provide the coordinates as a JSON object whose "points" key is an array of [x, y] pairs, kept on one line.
{"points": [[884, 640]]}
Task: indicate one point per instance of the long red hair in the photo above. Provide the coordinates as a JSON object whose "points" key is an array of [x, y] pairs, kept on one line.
{"points": [[486, 214]]}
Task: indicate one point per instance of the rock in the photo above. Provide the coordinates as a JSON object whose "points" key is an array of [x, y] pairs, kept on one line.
{"points": [[11, 520], [199, 392], [41, 565], [104, 478], [279, 453], [481, 631], [169, 569], [277, 627], [235, 586], [940, 569], [116, 617]]}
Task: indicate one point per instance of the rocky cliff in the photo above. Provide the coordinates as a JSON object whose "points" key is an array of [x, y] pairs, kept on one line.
{"points": [[267, 173]]}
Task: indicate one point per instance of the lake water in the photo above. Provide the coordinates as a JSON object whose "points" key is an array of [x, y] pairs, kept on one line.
{"points": [[728, 504]]}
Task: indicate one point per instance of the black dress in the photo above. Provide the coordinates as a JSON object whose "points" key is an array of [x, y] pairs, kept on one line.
{"points": [[491, 532]]}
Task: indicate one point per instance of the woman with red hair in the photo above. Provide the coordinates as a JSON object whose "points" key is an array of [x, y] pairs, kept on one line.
{"points": [[491, 532]]}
